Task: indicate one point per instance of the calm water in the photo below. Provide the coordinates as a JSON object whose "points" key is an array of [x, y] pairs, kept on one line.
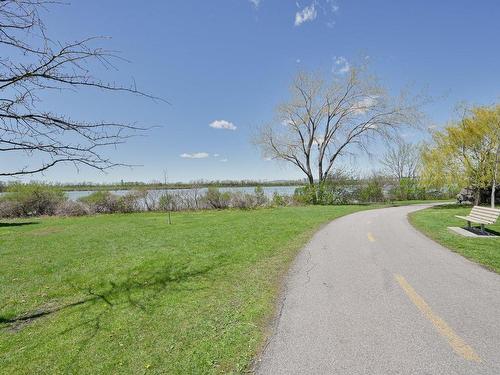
{"points": [[268, 190]]}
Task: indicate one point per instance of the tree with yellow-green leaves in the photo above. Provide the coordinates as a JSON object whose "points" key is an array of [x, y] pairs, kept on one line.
{"points": [[466, 153]]}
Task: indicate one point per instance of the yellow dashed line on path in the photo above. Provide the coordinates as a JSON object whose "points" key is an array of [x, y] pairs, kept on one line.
{"points": [[456, 342], [370, 237]]}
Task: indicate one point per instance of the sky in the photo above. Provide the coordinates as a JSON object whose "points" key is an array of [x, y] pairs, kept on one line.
{"points": [[224, 66]]}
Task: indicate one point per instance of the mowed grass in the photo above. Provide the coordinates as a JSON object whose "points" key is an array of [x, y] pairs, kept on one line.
{"points": [[434, 222], [131, 294]]}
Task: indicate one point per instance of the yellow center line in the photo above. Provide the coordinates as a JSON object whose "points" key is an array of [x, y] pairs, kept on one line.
{"points": [[370, 237], [456, 342]]}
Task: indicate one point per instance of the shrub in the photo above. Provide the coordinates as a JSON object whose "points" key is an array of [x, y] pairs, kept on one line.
{"points": [[337, 188], [72, 208], [279, 200], [167, 202], [34, 199], [324, 194], [217, 199], [243, 201], [10, 208], [260, 197], [129, 203], [102, 202], [372, 191]]}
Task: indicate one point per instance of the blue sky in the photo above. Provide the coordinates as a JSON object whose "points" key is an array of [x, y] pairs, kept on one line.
{"points": [[232, 61]]}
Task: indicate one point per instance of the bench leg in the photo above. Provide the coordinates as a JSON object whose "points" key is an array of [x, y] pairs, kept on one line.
{"points": [[482, 229], [469, 225]]}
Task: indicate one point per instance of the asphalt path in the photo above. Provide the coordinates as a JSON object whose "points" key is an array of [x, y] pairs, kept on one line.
{"points": [[370, 294]]}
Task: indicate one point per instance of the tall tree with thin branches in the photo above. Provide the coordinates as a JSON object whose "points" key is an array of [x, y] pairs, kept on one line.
{"points": [[327, 118]]}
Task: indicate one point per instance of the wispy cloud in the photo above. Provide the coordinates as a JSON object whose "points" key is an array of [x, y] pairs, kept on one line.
{"points": [[216, 155], [331, 4], [222, 124], [223, 160], [255, 3], [324, 8], [195, 155], [365, 104], [307, 14], [341, 65]]}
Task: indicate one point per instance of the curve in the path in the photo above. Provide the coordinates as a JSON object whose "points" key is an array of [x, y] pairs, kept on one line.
{"points": [[371, 295]]}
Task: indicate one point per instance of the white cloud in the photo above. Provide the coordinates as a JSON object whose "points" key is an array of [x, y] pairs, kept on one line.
{"points": [[255, 3], [365, 104], [223, 160], [309, 13], [222, 124], [216, 155], [195, 155], [297, 61], [342, 66]]}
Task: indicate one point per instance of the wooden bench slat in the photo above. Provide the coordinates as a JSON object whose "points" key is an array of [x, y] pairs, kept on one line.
{"points": [[486, 211], [482, 219], [468, 218], [480, 208], [494, 214], [481, 216]]}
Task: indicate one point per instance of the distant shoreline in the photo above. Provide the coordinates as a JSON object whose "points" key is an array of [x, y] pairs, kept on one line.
{"points": [[172, 186]]}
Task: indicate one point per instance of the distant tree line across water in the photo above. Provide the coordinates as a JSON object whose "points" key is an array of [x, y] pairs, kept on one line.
{"points": [[157, 185]]}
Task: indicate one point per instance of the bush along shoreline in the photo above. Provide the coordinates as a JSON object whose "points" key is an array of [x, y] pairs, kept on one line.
{"points": [[28, 200]]}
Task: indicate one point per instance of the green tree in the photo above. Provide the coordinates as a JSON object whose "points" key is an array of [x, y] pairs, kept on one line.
{"points": [[465, 153]]}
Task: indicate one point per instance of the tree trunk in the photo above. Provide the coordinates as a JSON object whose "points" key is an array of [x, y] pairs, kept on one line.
{"points": [[477, 198], [310, 178]]}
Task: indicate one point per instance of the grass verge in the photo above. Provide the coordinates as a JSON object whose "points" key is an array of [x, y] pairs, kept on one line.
{"points": [[434, 222], [131, 294]]}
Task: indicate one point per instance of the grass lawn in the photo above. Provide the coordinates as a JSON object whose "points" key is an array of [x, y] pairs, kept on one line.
{"points": [[411, 202], [132, 294], [434, 222]]}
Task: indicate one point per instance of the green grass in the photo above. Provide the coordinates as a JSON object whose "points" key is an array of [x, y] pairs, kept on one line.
{"points": [[132, 294], [434, 222], [411, 202]]}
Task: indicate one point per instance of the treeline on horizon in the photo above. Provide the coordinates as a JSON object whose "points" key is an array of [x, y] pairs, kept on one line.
{"points": [[157, 185]]}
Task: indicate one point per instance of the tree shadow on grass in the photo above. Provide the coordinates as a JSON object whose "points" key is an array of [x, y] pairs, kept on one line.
{"points": [[20, 224], [137, 291], [140, 291]]}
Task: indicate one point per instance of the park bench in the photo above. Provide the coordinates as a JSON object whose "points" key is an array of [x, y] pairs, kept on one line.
{"points": [[482, 216]]}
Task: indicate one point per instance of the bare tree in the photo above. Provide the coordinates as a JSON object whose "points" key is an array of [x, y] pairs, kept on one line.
{"points": [[401, 160], [31, 64], [326, 118]]}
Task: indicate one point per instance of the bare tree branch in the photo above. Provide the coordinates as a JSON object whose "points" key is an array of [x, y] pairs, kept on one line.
{"points": [[35, 64]]}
